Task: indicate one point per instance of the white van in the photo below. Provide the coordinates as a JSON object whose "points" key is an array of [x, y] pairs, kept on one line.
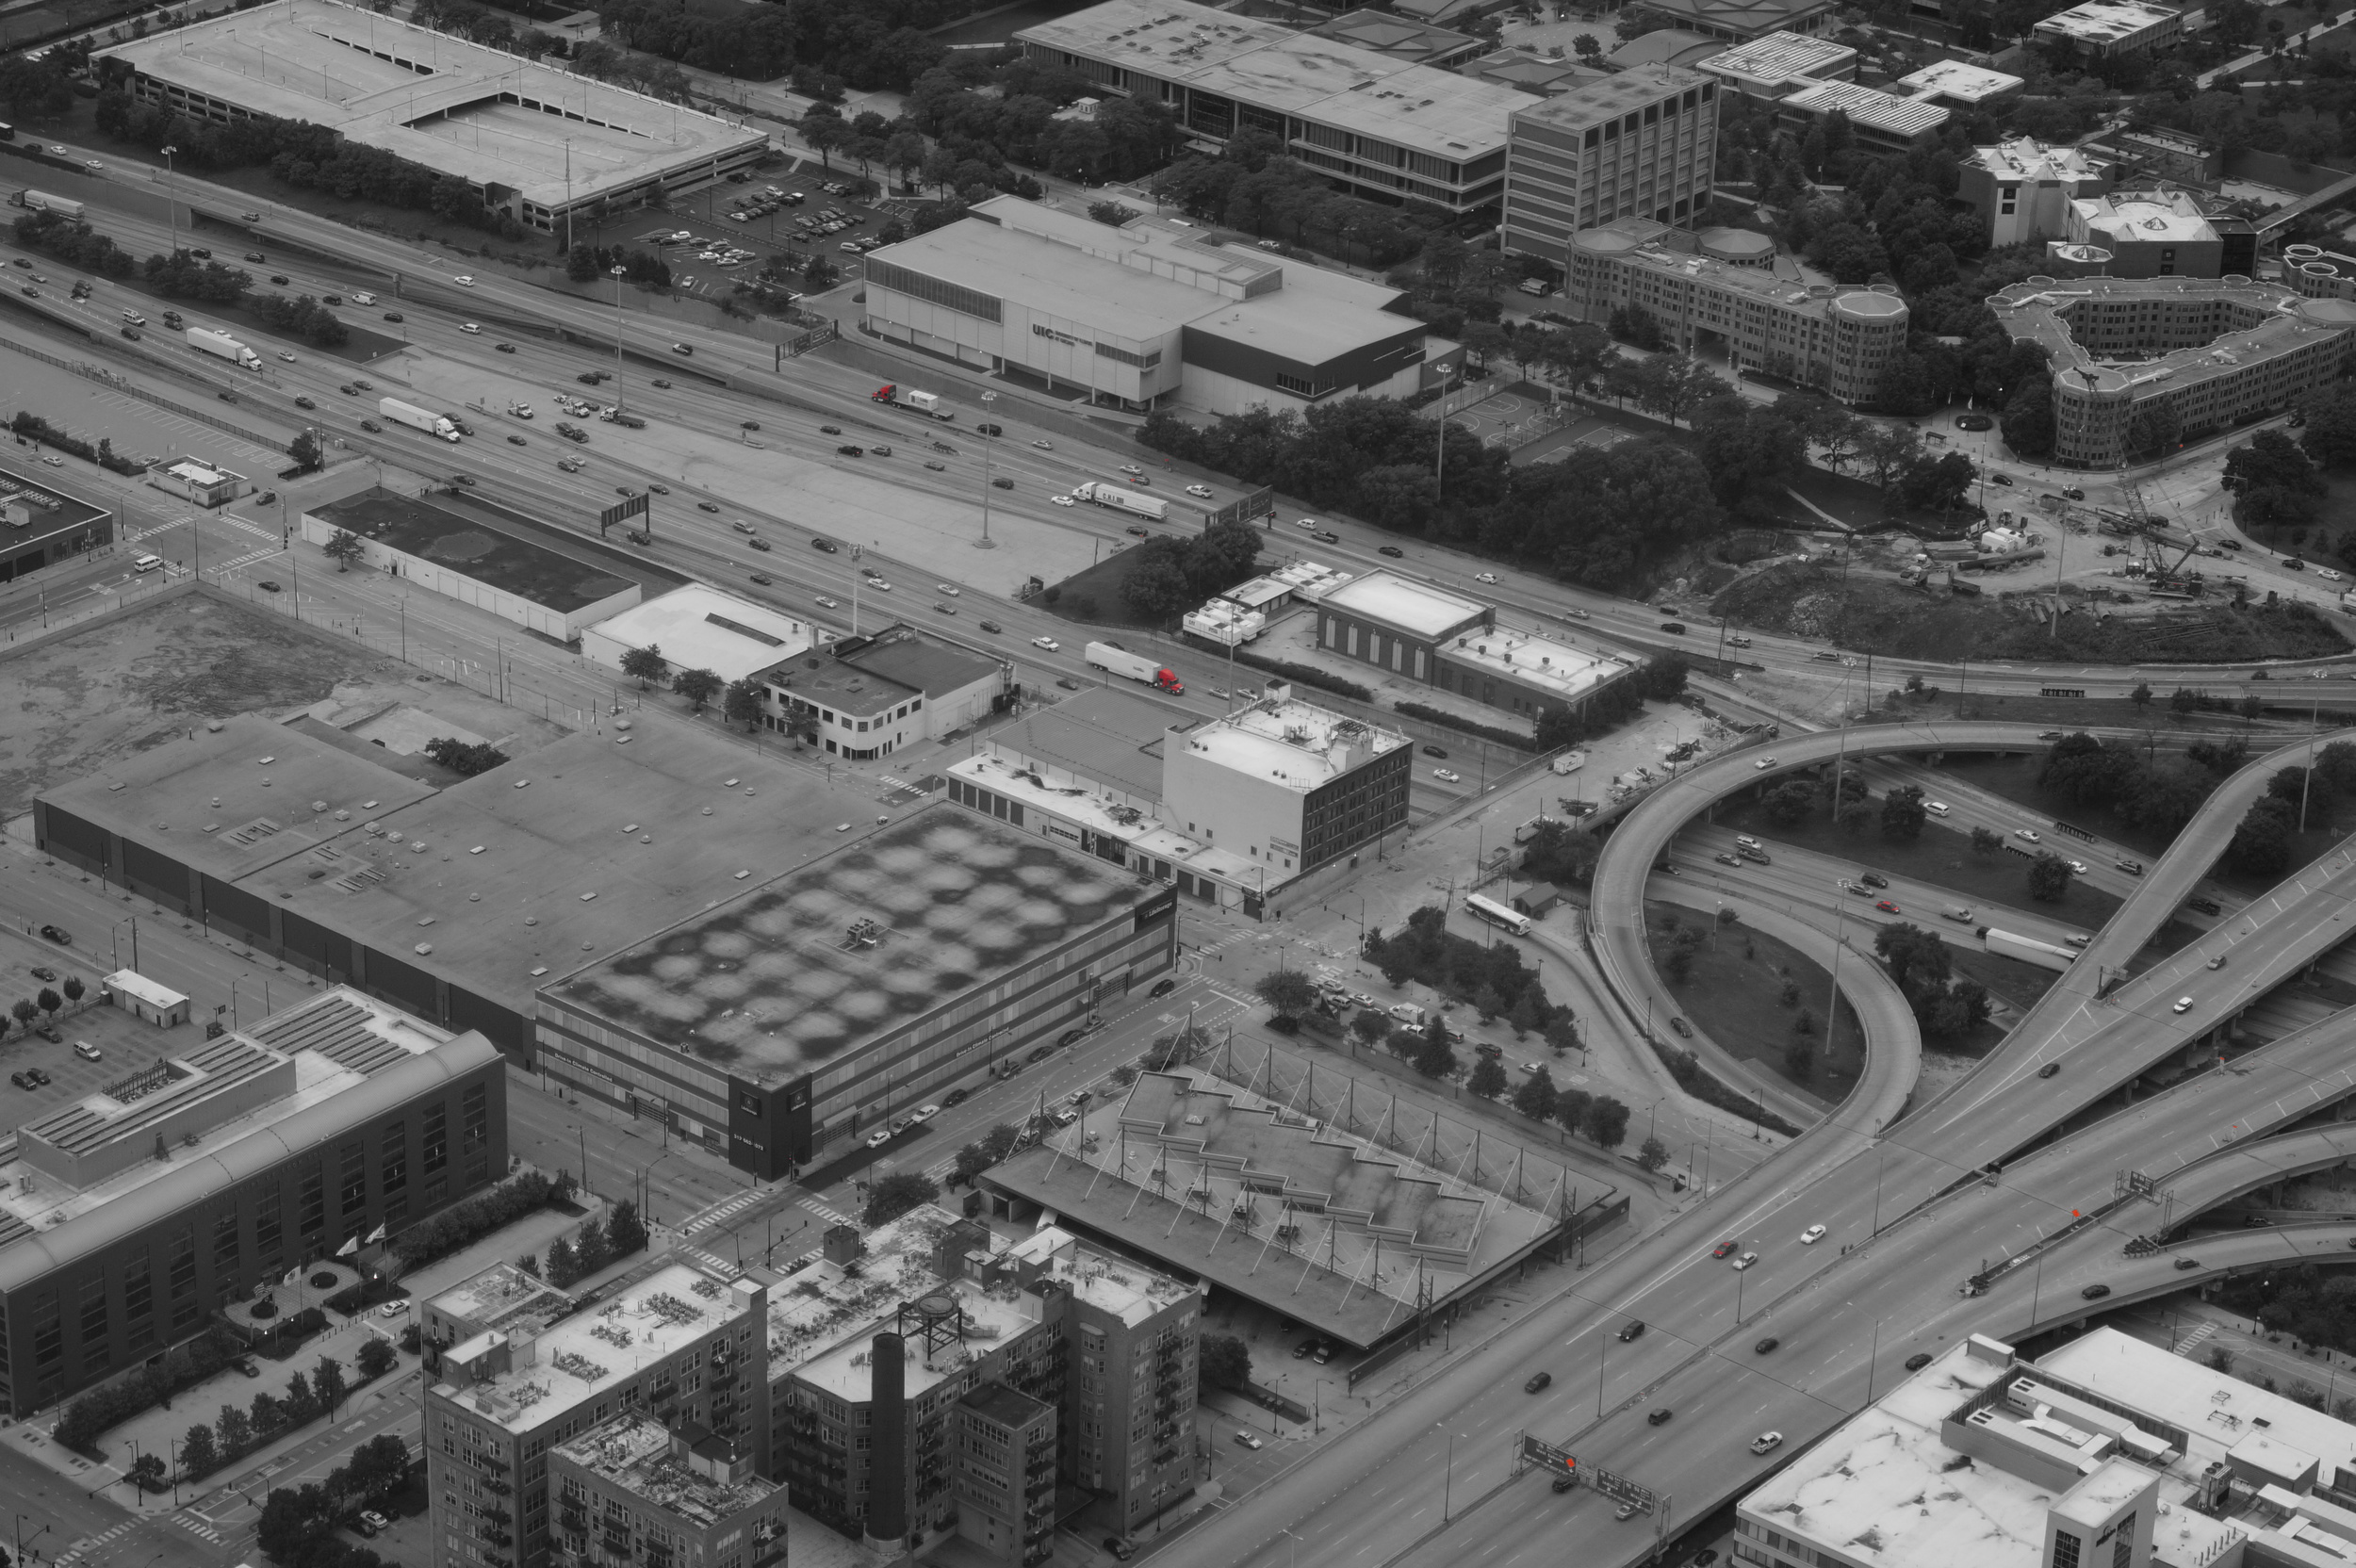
{"points": [[148, 563], [1936, 807], [360, 299]]}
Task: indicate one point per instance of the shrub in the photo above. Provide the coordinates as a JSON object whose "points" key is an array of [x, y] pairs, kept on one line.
{"points": [[465, 1223], [1469, 726], [87, 1418]]}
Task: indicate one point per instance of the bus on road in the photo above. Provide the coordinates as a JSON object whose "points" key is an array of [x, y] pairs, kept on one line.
{"points": [[1496, 914]]}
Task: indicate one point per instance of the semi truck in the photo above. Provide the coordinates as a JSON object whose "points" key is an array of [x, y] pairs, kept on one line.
{"points": [[1116, 660], [2027, 949], [1100, 494], [41, 201], [926, 404], [627, 421], [228, 347], [417, 418]]}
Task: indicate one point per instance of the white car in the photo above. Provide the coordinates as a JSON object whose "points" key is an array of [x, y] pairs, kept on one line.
{"points": [[1810, 1236], [2080, 868], [1305, 522], [923, 1113], [1745, 1260], [57, 149], [471, 328], [688, 282], [2027, 835], [945, 588], [1766, 1443], [880, 1136], [831, 604], [394, 1309], [93, 165], [1937, 808], [1762, 764], [1044, 446], [464, 280], [1047, 643], [2183, 1005], [284, 355], [1199, 491], [1446, 777], [1063, 500], [1486, 576], [879, 585], [2329, 574]]}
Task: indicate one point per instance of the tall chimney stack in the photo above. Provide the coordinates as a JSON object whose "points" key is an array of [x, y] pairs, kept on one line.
{"points": [[886, 1458]]}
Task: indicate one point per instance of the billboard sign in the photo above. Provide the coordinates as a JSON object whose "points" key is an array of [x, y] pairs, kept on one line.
{"points": [[639, 505]]}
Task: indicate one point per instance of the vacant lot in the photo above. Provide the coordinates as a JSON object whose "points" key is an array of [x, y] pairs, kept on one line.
{"points": [[1734, 995], [123, 686]]}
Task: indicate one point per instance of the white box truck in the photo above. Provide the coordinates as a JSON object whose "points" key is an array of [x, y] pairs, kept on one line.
{"points": [[41, 201], [1100, 494], [1116, 660], [417, 418], [228, 347], [1568, 761], [2027, 949], [926, 404]]}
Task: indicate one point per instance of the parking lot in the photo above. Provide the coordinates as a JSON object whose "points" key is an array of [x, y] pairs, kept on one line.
{"points": [[726, 235], [121, 1040]]}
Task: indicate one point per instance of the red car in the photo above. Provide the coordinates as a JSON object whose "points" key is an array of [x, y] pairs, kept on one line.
{"points": [[1886, 907], [1724, 1247]]}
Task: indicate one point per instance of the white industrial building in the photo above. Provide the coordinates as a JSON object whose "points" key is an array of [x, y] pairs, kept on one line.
{"points": [[2110, 1451], [206, 484], [2104, 28], [1142, 316], [1958, 85], [1780, 64], [700, 628]]}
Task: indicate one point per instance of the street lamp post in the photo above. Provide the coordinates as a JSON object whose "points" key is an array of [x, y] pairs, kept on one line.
{"points": [[171, 207], [618, 337], [985, 542]]}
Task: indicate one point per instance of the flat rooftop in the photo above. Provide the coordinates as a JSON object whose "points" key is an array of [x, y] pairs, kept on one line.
{"points": [[2026, 158], [50, 510], [2160, 218], [238, 799], [1866, 105], [1115, 1286], [1959, 80], [1450, 117], [1041, 791], [1103, 734], [1777, 58], [823, 1318], [580, 1357], [1293, 744], [995, 260], [578, 850], [1741, 18], [1397, 37], [700, 628], [1417, 608], [482, 114], [2279, 322], [2106, 21], [1640, 240], [637, 1455], [1536, 660], [852, 945], [317, 1068], [1615, 96], [512, 563], [500, 1295], [921, 662]]}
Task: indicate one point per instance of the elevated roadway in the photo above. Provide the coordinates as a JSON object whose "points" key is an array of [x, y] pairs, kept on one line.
{"points": [[2247, 1166]]}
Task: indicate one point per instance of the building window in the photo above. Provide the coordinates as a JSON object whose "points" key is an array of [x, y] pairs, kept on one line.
{"points": [[138, 1286], [226, 1246], [352, 1194], [311, 1206], [93, 1314], [2065, 1550], [435, 1149], [474, 1119], [395, 1152], [266, 1226]]}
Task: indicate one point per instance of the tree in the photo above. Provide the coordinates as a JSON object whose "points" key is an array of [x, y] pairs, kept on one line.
{"points": [[591, 1250], [896, 1195], [698, 686], [1799, 1052], [561, 1265], [1903, 815], [2142, 695], [1563, 1030], [344, 548], [645, 664], [305, 450], [375, 1357], [1371, 1026], [2274, 480], [147, 1473], [1653, 1155], [979, 1156], [2049, 878], [1790, 802], [1488, 1078], [741, 704], [24, 1009], [235, 1428], [1986, 840], [1434, 1057], [1535, 1097], [1287, 993], [2330, 438], [73, 987], [464, 757], [1607, 1122], [198, 1457], [1224, 1360], [50, 1002], [327, 1383], [2261, 845], [625, 1232]]}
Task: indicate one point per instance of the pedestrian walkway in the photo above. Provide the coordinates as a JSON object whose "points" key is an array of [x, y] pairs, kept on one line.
{"points": [[712, 1215], [91, 1543], [2193, 1340], [189, 1521]]}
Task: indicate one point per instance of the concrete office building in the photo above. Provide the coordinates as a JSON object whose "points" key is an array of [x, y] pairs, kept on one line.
{"points": [[680, 1345], [1741, 21], [1780, 64], [558, 587], [1878, 119], [1402, 38], [1101, 1350], [2319, 273], [1959, 85], [1835, 338], [700, 628], [1296, 785], [1641, 144], [1143, 316], [1429, 634], [2107, 1452], [41, 525], [2022, 189], [2105, 29], [868, 696], [2195, 355], [635, 1493], [865, 983], [2163, 234], [132, 1216], [1375, 125], [533, 141]]}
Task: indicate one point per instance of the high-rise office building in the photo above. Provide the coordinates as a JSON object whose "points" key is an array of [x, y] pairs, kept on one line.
{"points": [[1641, 144]]}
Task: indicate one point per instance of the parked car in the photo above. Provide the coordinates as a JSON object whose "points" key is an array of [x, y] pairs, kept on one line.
{"points": [[1121, 1549], [1163, 988]]}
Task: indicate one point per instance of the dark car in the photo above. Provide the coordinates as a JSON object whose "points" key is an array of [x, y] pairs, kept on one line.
{"points": [[1324, 538], [2095, 1293], [59, 934], [1918, 1361], [1136, 532], [1631, 1329], [131, 333], [21, 1081], [706, 506], [1120, 1548], [990, 429], [1675, 628], [2049, 1070], [1163, 988], [2074, 493], [1563, 1483], [396, 318], [279, 278], [1067, 683], [1999, 479], [956, 1097], [1306, 1349], [1070, 1035], [1873, 879], [1040, 1053], [42, 972], [764, 579], [591, 378], [752, 424], [1765, 1345], [827, 544], [829, 429], [1685, 1030], [849, 450], [1435, 751], [467, 479], [1660, 1417], [760, 545], [1538, 1381], [517, 441], [267, 586], [504, 347], [659, 384], [2184, 1264], [304, 402], [1002, 484], [372, 426], [1391, 550]]}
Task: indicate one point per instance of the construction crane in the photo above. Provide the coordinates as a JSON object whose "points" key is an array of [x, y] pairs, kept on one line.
{"points": [[2161, 577]]}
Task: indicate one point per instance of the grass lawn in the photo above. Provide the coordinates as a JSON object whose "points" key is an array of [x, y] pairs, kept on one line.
{"points": [[1093, 596], [1734, 995], [1941, 856], [2014, 776]]}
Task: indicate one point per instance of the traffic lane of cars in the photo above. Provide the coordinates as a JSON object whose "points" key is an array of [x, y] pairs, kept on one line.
{"points": [[1839, 883]]}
